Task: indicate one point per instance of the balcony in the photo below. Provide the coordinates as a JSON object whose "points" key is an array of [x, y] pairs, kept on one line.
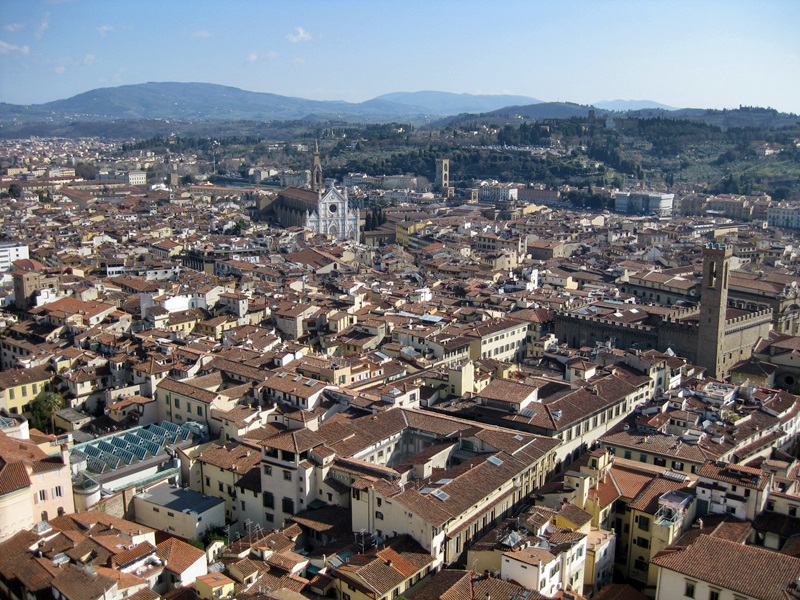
{"points": [[672, 508]]}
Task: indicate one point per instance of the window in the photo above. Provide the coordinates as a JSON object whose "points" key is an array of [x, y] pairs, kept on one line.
{"points": [[170, 514], [268, 499], [267, 470], [627, 454], [58, 492], [42, 495], [677, 465], [243, 505], [199, 411], [379, 501], [642, 542], [156, 509], [221, 489], [644, 523], [177, 403], [713, 595], [660, 461], [345, 596], [287, 475], [640, 564], [287, 505], [379, 515], [643, 458], [792, 511], [269, 517]]}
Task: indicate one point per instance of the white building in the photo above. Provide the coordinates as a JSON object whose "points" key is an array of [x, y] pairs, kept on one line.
{"points": [[10, 252], [136, 177], [333, 217], [644, 203], [181, 511], [784, 215]]}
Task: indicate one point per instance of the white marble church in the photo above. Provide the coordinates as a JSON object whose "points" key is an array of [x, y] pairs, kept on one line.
{"points": [[327, 213], [333, 217]]}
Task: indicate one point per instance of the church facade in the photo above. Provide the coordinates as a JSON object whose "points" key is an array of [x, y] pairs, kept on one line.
{"points": [[325, 213], [333, 217]]}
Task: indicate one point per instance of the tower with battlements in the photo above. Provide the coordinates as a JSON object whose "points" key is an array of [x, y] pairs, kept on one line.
{"points": [[713, 309]]}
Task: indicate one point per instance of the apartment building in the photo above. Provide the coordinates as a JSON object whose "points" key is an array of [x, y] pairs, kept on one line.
{"points": [[35, 486], [719, 569], [500, 339], [180, 511], [406, 472], [19, 386], [727, 488], [230, 472]]}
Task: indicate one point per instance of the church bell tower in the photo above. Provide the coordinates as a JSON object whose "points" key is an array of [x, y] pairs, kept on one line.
{"points": [[316, 172]]}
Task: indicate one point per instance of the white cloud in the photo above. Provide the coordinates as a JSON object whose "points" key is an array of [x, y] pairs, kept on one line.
{"points": [[253, 57], [6, 48], [300, 35], [13, 27], [104, 29], [43, 26], [60, 69], [201, 34], [89, 59]]}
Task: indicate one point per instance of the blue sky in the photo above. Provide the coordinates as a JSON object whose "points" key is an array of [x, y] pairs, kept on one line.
{"points": [[710, 54]]}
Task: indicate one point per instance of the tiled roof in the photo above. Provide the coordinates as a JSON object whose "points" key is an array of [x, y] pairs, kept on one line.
{"points": [[232, 456], [75, 583], [13, 477], [744, 569], [178, 555], [735, 474], [574, 514]]}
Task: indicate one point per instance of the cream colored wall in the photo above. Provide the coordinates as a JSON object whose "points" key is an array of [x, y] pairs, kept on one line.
{"points": [[16, 513]]}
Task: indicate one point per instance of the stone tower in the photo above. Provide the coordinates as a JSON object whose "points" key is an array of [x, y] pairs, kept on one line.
{"points": [[713, 309], [442, 173], [316, 172]]}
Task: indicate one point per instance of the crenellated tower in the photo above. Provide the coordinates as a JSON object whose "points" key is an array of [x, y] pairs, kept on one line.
{"points": [[714, 309]]}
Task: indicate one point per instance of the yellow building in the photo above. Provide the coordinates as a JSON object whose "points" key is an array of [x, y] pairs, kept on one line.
{"points": [[214, 585], [19, 386]]}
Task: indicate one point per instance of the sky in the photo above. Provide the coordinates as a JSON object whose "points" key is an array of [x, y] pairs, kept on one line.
{"points": [[693, 53]]}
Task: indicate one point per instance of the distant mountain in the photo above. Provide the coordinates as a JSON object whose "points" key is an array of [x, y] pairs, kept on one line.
{"points": [[626, 105], [202, 102], [155, 107], [446, 103], [513, 114]]}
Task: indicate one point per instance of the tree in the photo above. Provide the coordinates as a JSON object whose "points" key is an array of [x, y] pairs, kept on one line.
{"points": [[85, 171], [43, 409], [15, 190]]}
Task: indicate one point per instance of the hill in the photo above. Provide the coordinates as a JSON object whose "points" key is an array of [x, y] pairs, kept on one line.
{"points": [[198, 101], [628, 105], [446, 103]]}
